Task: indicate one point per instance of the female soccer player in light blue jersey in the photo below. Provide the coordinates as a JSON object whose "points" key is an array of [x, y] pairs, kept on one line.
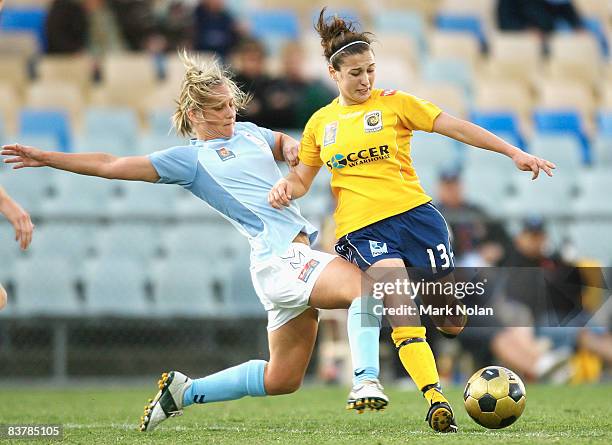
{"points": [[232, 167]]}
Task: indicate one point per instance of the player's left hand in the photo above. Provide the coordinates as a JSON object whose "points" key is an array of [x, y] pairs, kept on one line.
{"points": [[290, 153], [526, 162], [20, 219]]}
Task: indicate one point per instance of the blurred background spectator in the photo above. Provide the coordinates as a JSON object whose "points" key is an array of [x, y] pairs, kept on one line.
{"points": [[67, 27], [215, 28], [537, 15]]}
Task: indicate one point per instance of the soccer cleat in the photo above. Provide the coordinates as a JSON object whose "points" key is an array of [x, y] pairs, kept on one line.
{"points": [[367, 394], [440, 418], [168, 402]]}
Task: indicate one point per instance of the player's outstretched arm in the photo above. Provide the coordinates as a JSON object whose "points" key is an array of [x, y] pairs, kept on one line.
{"points": [[286, 149], [104, 165], [19, 218], [295, 185], [472, 134]]}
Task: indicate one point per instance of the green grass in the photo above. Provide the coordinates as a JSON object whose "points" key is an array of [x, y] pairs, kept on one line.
{"points": [[314, 415]]}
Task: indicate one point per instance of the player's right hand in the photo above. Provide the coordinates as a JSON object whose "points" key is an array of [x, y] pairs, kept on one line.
{"points": [[280, 194], [23, 156], [20, 219]]}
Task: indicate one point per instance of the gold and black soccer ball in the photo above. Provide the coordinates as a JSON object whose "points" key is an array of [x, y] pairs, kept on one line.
{"points": [[494, 397]]}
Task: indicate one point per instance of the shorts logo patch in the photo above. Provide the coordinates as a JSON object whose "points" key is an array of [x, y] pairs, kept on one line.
{"points": [[372, 121], [330, 134], [378, 248], [307, 270], [225, 154]]}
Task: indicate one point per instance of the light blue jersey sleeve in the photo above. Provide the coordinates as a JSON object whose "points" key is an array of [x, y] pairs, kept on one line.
{"points": [[176, 165], [267, 134]]}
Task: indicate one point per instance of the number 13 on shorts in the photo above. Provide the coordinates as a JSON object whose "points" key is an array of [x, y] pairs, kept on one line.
{"points": [[445, 257]]}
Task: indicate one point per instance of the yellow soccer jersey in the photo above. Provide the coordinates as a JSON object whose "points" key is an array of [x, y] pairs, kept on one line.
{"points": [[367, 149]]}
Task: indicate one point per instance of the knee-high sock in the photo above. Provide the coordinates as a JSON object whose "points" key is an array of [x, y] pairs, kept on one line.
{"points": [[418, 360], [363, 326], [246, 379]]}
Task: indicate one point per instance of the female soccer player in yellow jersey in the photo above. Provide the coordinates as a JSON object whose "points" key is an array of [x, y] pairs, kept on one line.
{"points": [[384, 218]]}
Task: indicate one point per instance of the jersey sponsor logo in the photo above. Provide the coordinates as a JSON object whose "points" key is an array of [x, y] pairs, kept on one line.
{"points": [[378, 248], [307, 270], [364, 156], [350, 115], [388, 92], [330, 134], [372, 121], [225, 154]]}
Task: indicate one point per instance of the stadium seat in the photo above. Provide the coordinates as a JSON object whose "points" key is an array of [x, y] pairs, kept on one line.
{"points": [[604, 123], [593, 200], [191, 208], [550, 197], [49, 123], [121, 122], [503, 124], [150, 143], [160, 123], [448, 70], [19, 43], [137, 241], [596, 27], [403, 21], [567, 95], [397, 75], [29, 187], [434, 151], [575, 57], [188, 287], [488, 187], [602, 151], [72, 240], [14, 72], [394, 45], [592, 240], [143, 200], [46, 287], [455, 44], [515, 56], [463, 23], [9, 249], [241, 300], [560, 135], [80, 196], [76, 69], [116, 287], [215, 239], [56, 95], [274, 27], [116, 65], [25, 19], [447, 96], [109, 143]]}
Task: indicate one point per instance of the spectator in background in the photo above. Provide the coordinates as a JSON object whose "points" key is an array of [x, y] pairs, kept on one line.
{"points": [[251, 77], [477, 239], [137, 24], [542, 16], [293, 97], [66, 27], [215, 29], [104, 32], [175, 23]]}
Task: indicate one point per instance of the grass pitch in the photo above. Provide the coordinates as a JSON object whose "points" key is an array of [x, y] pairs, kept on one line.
{"points": [[314, 415]]}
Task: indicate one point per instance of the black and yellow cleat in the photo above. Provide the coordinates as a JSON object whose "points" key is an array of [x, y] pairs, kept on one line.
{"points": [[167, 403], [367, 395], [440, 418]]}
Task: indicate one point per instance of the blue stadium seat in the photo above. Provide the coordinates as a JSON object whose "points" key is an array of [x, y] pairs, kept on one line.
{"points": [[407, 22], [602, 151], [551, 197], [150, 143], [187, 287], [241, 300], [594, 187], [52, 123], [592, 239], [562, 122], [562, 149], [274, 27], [434, 150], [159, 122], [501, 123], [25, 19], [116, 287], [108, 143], [463, 23], [454, 71], [141, 199], [30, 187], [137, 241], [487, 187], [604, 123], [122, 123], [46, 287], [595, 27], [216, 240], [73, 240]]}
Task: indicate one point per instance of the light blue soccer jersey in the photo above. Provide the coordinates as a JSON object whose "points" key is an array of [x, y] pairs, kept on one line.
{"points": [[234, 176]]}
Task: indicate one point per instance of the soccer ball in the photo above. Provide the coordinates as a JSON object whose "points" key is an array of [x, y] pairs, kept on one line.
{"points": [[494, 397]]}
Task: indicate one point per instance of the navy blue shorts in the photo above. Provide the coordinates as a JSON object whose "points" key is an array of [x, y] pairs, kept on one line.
{"points": [[418, 236]]}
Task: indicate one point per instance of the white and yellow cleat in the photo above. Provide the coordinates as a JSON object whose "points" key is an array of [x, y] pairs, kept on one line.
{"points": [[367, 394], [168, 402]]}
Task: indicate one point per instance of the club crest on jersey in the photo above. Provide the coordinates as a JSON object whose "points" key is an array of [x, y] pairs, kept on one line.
{"points": [[378, 248], [225, 154], [330, 134], [372, 121], [307, 270]]}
